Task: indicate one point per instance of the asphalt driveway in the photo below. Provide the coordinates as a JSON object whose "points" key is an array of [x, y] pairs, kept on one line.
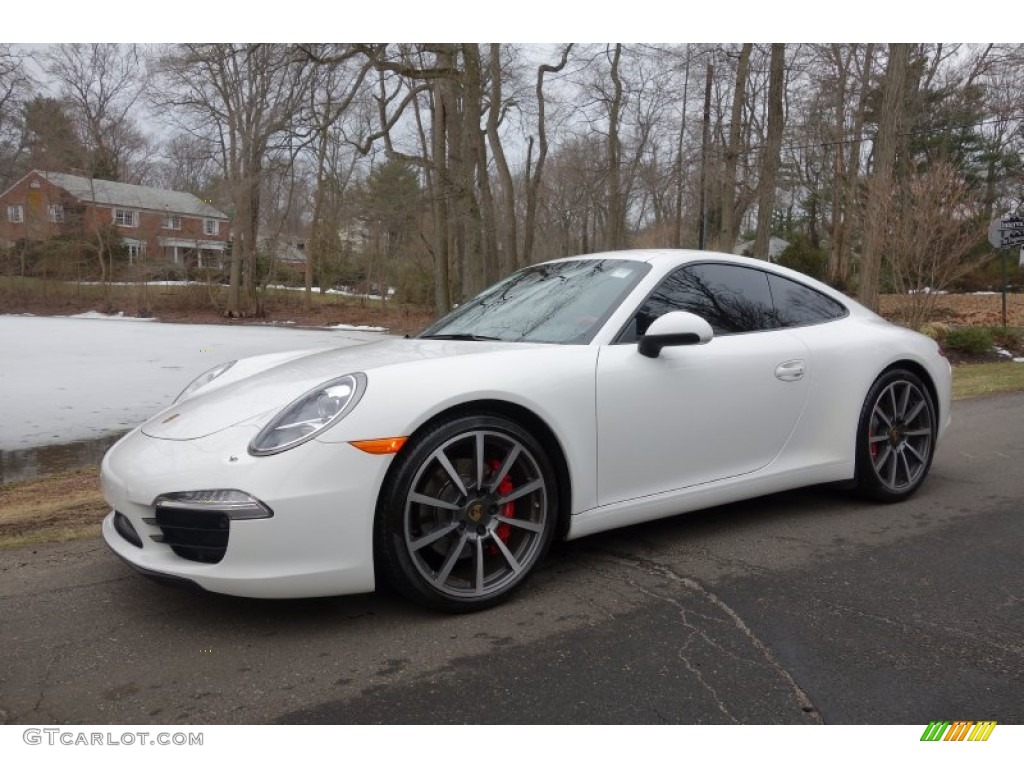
{"points": [[803, 607]]}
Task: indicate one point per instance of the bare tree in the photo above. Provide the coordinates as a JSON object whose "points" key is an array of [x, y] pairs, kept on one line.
{"points": [[936, 223], [15, 89], [243, 98], [336, 87], [187, 164], [102, 82]]}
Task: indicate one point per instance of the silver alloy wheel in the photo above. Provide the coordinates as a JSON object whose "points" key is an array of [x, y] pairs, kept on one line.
{"points": [[476, 514], [900, 434]]}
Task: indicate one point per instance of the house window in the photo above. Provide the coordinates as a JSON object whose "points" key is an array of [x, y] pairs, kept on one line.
{"points": [[135, 251], [15, 214], [211, 226], [125, 218], [172, 222], [56, 213]]}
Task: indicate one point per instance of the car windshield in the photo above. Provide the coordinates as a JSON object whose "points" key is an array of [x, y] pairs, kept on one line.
{"points": [[564, 302]]}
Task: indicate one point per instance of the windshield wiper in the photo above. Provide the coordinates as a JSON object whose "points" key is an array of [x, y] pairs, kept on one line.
{"points": [[461, 337]]}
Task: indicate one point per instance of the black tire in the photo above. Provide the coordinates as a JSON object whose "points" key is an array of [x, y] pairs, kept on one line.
{"points": [[895, 436], [458, 533]]}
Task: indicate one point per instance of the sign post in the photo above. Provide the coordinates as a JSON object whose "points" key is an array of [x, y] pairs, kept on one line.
{"points": [[1004, 233]]}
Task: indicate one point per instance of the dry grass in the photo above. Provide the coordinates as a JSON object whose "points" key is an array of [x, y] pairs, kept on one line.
{"points": [[963, 309], [205, 303], [60, 507]]}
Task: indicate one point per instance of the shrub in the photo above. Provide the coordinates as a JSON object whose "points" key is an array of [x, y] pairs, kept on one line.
{"points": [[934, 330], [1009, 339], [970, 340]]}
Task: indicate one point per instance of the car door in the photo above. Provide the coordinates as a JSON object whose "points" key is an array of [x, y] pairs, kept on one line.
{"points": [[696, 414]]}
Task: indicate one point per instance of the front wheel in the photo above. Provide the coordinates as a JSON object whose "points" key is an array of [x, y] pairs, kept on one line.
{"points": [[467, 515], [895, 437]]}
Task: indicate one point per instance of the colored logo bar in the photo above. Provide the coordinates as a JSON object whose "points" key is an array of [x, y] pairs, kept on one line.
{"points": [[958, 730]]}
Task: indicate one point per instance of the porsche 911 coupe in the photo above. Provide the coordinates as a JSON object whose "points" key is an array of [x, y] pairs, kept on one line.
{"points": [[572, 397]]}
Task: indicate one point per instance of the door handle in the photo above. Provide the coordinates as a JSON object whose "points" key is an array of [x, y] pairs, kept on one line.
{"points": [[791, 370]]}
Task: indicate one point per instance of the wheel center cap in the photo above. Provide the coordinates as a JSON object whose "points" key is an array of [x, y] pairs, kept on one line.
{"points": [[896, 435], [476, 511]]}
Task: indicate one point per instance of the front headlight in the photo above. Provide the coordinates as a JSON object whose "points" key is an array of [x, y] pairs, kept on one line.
{"points": [[309, 415], [204, 378]]}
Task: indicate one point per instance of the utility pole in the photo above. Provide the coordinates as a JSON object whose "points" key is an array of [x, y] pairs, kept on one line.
{"points": [[702, 225]]}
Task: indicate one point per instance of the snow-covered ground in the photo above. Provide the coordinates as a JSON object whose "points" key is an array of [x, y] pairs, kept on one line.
{"points": [[64, 379]]}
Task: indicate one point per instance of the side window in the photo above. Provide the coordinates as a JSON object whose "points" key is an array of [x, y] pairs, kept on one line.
{"points": [[796, 304], [732, 299]]}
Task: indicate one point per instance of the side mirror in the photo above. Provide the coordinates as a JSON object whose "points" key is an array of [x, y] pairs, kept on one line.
{"points": [[674, 329]]}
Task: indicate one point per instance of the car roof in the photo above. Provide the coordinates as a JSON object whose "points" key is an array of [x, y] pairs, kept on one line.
{"points": [[674, 255]]}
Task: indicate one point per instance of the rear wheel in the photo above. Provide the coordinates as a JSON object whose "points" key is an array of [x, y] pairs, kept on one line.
{"points": [[468, 514], [896, 436]]}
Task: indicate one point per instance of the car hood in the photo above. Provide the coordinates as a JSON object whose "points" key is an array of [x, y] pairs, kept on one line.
{"points": [[256, 398]]}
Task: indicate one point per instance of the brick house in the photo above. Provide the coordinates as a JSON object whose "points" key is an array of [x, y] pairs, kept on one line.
{"points": [[157, 224]]}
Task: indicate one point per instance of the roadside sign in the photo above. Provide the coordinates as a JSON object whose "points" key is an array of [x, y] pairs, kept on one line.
{"points": [[1007, 232]]}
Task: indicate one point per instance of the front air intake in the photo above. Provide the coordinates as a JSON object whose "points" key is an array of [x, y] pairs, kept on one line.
{"points": [[198, 535]]}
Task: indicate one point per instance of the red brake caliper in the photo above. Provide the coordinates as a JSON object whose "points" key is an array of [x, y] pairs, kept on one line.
{"points": [[505, 487]]}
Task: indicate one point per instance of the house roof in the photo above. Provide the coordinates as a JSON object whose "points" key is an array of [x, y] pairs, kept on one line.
{"points": [[131, 195], [286, 248]]}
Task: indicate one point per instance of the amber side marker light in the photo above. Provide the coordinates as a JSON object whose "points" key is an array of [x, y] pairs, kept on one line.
{"points": [[380, 446]]}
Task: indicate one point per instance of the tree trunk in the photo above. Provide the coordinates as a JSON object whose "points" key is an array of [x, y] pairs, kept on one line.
{"points": [[677, 232], [242, 206], [729, 229], [442, 190], [615, 226], [838, 170], [770, 153], [881, 182], [851, 179], [483, 246], [533, 189], [509, 256], [316, 228]]}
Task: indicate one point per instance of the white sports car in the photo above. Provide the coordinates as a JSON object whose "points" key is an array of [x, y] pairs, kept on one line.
{"points": [[572, 397]]}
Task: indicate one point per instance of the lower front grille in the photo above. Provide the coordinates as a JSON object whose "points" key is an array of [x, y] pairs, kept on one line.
{"points": [[201, 535]]}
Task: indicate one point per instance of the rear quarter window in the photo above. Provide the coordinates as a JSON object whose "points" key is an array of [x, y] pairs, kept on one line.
{"points": [[797, 304]]}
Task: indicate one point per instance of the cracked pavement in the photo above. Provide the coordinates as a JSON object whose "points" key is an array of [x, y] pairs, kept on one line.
{"points": [[803, 607]]}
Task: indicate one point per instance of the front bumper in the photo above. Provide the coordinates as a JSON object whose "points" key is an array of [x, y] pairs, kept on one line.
{"points": [[318, 542]]}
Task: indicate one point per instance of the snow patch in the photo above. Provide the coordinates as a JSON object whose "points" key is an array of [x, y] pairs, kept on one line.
{"points": [[346, 327], [148, 282], [94, 315]]}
